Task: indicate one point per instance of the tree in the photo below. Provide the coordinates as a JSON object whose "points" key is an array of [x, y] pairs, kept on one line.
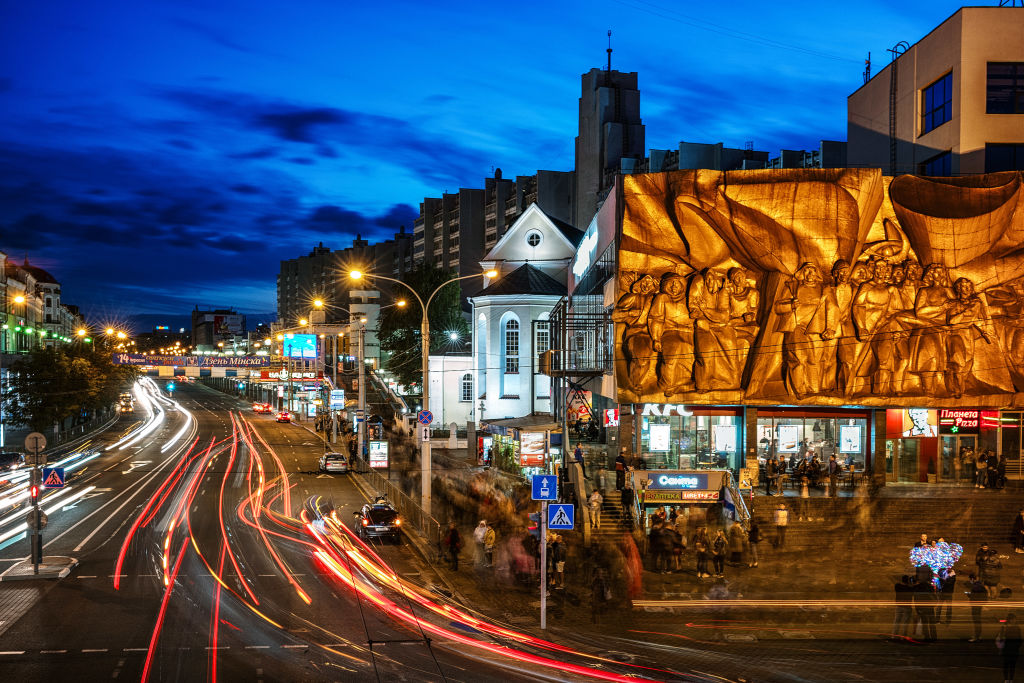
{"points": [[399, 327], [48, 385]]}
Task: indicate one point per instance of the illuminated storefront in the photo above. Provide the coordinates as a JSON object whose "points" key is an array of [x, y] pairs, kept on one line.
{"points": [[678, 437]]}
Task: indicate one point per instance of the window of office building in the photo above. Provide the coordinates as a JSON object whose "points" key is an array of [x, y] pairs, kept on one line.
{"points": [[938, 165], [466, 395], [1004, 157], [937, 103], [1005, 90]]}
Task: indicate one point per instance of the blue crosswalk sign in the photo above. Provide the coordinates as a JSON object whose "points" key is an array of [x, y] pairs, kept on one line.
{"points": [[53, 477], [545, 487], [561, 516]]}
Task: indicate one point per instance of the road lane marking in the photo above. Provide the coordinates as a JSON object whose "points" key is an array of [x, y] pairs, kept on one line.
{"points": [[13, 652], [247, 647], [96, 650], [292, 647], [86, 577], [135, 649], [52, 652]]}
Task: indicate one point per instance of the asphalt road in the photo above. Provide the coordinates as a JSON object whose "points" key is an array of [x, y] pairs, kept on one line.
{"points": [[172, 521]]}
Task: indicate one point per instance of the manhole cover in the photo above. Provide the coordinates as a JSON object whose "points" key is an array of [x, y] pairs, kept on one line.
{"points": [[740, 638], [797, 635]]}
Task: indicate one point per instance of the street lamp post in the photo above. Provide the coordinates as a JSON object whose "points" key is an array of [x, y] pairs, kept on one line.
{"points": [[425, 465]]}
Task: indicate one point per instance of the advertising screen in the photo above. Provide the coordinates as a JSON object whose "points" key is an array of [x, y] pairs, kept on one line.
{"points": [[789, 438], [849, 439], [299, 345], [531, 449], [660, 437], [378, 454]]}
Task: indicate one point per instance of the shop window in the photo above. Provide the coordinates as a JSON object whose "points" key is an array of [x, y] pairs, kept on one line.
{"points": [[1004, 157]]}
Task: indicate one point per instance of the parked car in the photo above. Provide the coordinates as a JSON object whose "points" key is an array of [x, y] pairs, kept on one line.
{"points": [[284, 416], [11, 461], [379, 519], [262, 408], [334, 462]]}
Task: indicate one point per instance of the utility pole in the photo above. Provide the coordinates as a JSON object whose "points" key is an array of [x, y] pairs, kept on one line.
{"points": [[361, 428]]}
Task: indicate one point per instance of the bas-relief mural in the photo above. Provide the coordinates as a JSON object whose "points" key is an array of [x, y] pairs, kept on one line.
{"points": [[824, 287]]}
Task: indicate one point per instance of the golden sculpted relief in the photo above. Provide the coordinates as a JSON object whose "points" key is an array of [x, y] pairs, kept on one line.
{"points": [[829, 286]]}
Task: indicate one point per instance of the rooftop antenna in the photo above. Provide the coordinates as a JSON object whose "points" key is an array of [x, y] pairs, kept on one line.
{"points": [[1011, 3], [610, 48], [867, 68]]}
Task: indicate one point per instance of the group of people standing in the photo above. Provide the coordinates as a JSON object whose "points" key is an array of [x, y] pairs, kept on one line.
{"points": [[669, 541], [985, 468]]}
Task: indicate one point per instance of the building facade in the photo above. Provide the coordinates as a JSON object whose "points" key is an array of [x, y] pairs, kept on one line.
{"points": [[950, 104], [794, 314]]}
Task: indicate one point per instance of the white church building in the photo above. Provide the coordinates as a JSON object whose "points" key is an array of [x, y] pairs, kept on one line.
{"points": [[509, 316]]}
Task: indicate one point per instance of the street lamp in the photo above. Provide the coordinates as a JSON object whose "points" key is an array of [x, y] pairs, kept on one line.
{"points": [[425, 468]]}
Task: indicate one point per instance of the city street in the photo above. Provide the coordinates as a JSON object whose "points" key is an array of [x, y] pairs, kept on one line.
{"points": [[145, 603]]}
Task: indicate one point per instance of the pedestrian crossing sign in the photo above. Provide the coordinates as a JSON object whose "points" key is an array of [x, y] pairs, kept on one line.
{"points": [[561, 516], [53, 477]]}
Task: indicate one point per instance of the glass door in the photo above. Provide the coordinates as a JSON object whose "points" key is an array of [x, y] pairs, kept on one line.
{"points": [[907, 464]]}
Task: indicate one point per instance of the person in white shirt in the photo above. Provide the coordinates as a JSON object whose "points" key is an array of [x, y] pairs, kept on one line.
{"points": [[781, 522], [595, 501]]}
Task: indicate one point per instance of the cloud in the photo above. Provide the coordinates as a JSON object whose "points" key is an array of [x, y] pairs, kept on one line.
{"points": [[298, 125]]}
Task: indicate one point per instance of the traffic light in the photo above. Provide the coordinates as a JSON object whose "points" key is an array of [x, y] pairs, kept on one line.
{"points": [[33, 493], [534, 526]]}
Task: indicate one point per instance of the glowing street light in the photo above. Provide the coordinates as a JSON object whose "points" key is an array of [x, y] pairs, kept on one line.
{"points": [[425, 468], [318, 303]]}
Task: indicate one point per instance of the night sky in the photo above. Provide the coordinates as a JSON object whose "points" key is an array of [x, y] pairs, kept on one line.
{"points": [[159, 155]]}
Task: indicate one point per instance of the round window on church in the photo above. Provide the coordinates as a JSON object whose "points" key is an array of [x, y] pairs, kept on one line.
{"points": [[534, 238]]}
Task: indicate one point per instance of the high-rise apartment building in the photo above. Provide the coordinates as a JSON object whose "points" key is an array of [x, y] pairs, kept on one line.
{"points": [[610, 130], [950, 104]]}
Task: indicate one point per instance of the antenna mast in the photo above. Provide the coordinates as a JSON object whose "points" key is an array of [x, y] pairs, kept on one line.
{"points": [[610, 49]]}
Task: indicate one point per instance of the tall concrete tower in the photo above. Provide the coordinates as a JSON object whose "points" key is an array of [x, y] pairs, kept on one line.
{"points": [[610, 130]]}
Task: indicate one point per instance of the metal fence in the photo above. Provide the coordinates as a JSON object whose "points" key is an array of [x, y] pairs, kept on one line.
{"points": [[409, 511]]}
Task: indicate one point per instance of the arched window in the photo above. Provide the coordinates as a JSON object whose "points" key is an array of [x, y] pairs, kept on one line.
{"points": [[511, 347], [466, 395]]}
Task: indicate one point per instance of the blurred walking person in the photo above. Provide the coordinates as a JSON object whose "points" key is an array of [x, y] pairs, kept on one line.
{"points": [[1009, 640], [453, 544], [977, 594]]}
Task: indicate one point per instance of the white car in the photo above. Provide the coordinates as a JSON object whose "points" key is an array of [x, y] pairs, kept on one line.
{"points": [[334, 462]]}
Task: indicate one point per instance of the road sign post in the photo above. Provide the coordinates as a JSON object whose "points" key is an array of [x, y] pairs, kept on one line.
{"points": [[34, 444], [544, 565]]}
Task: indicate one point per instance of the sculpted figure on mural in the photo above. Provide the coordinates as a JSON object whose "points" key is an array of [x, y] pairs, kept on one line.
{"points": [[874, 312], [743, 305], [633, 310], [671, 330], [966, 318], [840, 349], [934, 299], [807, 322], [714, 339]]}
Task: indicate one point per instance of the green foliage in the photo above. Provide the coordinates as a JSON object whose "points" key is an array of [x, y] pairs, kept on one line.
{"points": [[48, 385], [399, 327]]}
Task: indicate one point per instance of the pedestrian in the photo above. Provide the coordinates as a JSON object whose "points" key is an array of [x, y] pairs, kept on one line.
{"points": [[453, 544], [678, 546], [753, 539], [947, 584], [901, 622], [1018, 532], [620, 469], [736, 537], [1001, 471], [977, 595], [600, 594], [594, 502], [991, 465], [479, 533], [490, 537], [1009, 640], [626, 498], [803, 512], [577, 455], [923, 541], [718, 547], [781, 522], [834, 468], [701, 547], [771, 471], [980, 470], [558, 554], [924, 606], [666, 541], [989, 566]]}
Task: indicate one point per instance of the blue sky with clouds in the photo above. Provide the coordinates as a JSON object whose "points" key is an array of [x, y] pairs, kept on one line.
{"points": [[157, 155]]}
